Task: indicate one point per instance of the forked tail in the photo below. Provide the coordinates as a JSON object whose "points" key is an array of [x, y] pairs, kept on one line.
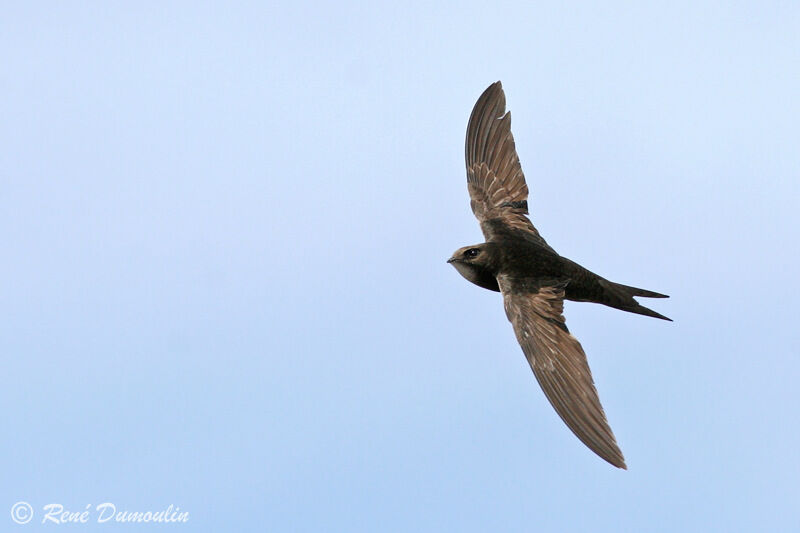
{"points": [[621, 296]]}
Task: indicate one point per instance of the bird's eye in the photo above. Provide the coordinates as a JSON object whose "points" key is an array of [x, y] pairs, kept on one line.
{"points": [[472, 252]]}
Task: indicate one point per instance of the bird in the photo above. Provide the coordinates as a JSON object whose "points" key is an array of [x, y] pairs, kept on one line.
{"points": [[533, 278]]}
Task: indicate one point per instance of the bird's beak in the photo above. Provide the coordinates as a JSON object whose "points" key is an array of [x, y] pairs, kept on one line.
{"points": [[451, 259]]}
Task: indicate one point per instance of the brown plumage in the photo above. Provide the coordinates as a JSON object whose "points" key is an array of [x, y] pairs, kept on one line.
{"points": [[533, 278]]}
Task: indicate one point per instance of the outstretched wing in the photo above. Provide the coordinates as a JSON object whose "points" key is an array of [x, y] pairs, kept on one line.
{"points": [[497, 189], [560, 366]]}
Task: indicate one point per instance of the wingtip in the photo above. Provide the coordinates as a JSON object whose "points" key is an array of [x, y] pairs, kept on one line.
{"points": [[612, 457], [615, 458], [618, 461], [494, 87]]}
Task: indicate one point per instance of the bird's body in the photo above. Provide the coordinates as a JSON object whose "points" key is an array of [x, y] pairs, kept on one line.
{"points": [[533, 278], [528, 263]]}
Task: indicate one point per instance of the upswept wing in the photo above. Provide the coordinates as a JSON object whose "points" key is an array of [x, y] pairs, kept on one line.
{"points": [[497, 189], [560, 366]]}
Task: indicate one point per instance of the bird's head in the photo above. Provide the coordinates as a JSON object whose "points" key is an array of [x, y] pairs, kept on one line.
{"points": [[470, 255], [476, 263]]}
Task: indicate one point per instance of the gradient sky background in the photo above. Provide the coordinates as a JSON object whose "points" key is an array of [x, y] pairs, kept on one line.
{"points": [[224, 238]]}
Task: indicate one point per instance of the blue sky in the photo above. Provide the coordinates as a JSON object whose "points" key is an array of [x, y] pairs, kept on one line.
{"points": [[225, 229]]}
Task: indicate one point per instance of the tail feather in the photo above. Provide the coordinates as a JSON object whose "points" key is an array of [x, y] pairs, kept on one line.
{"points": [[639, 309], [634, 291], [621, 297]]}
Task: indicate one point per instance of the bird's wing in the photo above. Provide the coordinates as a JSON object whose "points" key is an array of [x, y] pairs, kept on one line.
{"points": [[560, 366], [497, 189]]}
